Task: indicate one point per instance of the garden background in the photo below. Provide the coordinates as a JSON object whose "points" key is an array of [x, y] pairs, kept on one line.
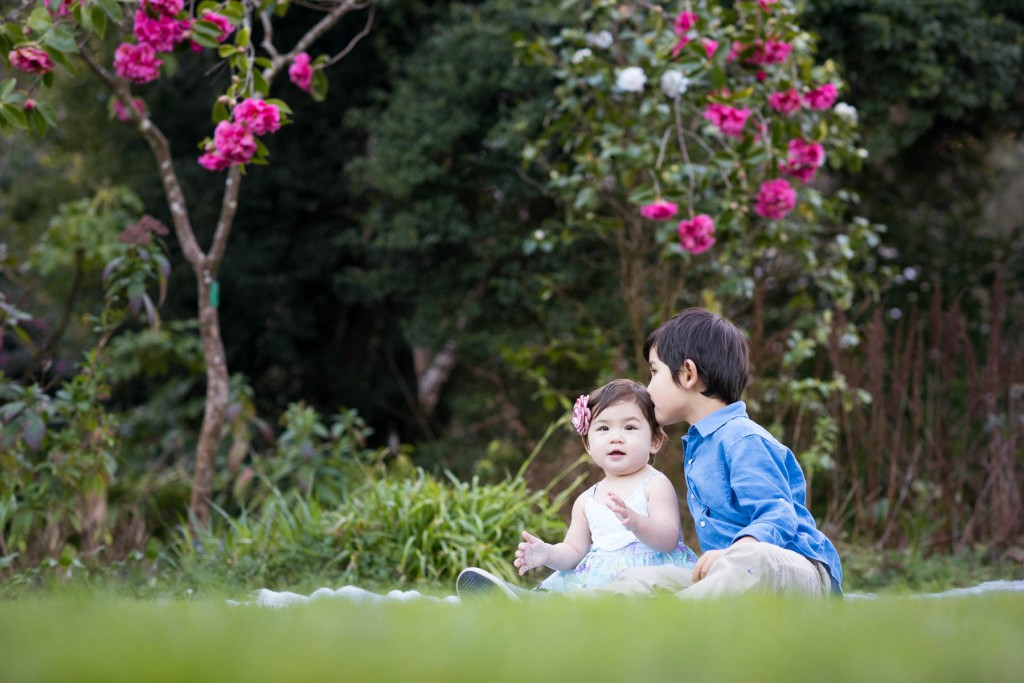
{"points": [[446, 248]]}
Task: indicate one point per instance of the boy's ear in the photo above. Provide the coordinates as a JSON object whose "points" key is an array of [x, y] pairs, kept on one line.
{"points": [[688, 376]]}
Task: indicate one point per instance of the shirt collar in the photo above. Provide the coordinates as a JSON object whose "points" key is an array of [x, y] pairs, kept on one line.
{"points": [[712, 422]]}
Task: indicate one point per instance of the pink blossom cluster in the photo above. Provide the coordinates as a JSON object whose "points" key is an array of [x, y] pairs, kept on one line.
{"points": [[803, 160], [788, 101], [63, 8], [137, 63], [234, 142], [729, 120], [122, 113], [822, 97], [684, 23], [300, 72], [785, 102], [659, 210], [31, 59], [775, 199], [156, 29], [770, 51], [697, 234], [221, 22]]}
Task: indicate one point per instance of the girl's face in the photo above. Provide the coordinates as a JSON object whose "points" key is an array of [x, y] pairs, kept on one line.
{"points": [[619, 440]]}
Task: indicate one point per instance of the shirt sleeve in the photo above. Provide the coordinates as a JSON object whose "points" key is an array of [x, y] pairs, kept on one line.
{"points": [[757, 476]]}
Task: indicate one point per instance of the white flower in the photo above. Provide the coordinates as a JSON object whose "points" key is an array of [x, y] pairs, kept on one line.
{"points": [[581, 55], [674, 83], [602, 40], [847, 112], [538, 235], [631, 79]]}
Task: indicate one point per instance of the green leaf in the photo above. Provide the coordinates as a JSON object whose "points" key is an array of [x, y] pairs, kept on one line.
{"points": [[6, 87], [39, 21], [242, 39], [112, 8], [48, 113], [99, 21], [233, 11], [220, 112], [204, 39], [318, 88], [259, 83], [13, 115], [61, 38], [280, 104], [226, 51]]}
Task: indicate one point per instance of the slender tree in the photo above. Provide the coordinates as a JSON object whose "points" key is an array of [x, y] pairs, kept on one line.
{"points": [[39, 36]]}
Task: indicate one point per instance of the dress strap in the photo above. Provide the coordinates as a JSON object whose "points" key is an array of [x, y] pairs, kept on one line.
{"points": [[593, 490], [643, 484]]}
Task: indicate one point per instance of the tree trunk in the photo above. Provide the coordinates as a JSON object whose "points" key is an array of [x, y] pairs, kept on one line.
{"points": [[216, 400]]}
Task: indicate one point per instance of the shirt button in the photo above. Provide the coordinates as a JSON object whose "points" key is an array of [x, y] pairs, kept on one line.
{"points": [[703, 523], [691, 461]]}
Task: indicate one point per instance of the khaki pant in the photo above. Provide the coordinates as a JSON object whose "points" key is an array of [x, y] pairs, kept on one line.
{"points": [[742, 567]]}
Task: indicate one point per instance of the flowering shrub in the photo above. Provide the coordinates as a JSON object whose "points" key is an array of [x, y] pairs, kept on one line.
{"points": [[733, 139]]}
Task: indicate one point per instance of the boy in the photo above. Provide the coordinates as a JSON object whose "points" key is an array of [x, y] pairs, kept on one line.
{"points": [[745, 490]]}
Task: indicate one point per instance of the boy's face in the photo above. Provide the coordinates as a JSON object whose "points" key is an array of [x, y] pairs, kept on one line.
{"points": [[670, 399]]}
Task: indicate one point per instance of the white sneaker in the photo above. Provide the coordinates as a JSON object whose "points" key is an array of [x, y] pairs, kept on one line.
{"points": [[474, 582]]}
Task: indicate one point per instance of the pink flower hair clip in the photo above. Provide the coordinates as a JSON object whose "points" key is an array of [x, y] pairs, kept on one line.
{"points": [[581, 415]]}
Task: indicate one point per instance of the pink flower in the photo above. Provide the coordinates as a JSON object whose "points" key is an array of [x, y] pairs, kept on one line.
{"points": [[785, 102], [775, 199], [766, 4], [137, 63], [684, 22], [300, 73], [821, 98], [30, 104], [770, 51], [659, 210], [122, 114], [221, 22], [697, 234], [683, 42], [234, 142], [167, 8], [804, 160], [31, 60], [734, 51], [258, 116], [65, 6], [163, 33], [212, 161], [581, 415], [710, 47], [729, 120]]}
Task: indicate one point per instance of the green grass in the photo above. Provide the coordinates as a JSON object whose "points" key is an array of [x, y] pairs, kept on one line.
{"points": [[93, 636]]}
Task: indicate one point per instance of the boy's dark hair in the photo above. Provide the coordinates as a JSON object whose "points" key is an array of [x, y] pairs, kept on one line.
{"points": [[625, 391], [715, 345]]}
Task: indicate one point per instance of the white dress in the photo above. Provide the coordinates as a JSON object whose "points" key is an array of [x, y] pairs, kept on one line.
{"points": [[614, 548]]}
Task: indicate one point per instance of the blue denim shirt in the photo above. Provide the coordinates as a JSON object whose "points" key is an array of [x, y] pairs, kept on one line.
{"points": [[742, 482]]}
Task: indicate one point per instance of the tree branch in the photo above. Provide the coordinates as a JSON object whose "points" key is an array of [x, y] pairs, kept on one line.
{"points": [[162, 151]]}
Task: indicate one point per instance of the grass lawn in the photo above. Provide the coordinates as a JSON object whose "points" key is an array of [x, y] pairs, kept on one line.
{"points": [[99, 637]]}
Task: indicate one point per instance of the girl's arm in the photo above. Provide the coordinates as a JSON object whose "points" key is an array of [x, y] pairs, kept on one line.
{"points": [[533, 552], [661, 530]]}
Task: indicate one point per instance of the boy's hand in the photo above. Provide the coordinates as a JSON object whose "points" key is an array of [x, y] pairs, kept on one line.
{"points": [[704, 563], [626, 514], [532, 553], [703, 566]]}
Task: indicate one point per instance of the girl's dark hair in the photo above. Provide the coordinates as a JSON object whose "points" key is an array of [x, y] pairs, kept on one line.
{"points": [[715, 345], [625, 391]]}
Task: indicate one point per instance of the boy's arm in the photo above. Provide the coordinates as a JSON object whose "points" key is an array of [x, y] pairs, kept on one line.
{"points": [[758, 480]]}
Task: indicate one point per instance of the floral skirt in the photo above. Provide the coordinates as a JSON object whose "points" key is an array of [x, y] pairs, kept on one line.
{"points": [[601, 567]]}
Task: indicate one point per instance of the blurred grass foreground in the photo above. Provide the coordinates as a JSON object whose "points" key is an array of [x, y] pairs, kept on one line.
{"points": [[92, 637]]}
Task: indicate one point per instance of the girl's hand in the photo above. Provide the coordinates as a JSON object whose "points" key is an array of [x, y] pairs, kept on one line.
{"points": [[532, 553], [627, 515]]}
